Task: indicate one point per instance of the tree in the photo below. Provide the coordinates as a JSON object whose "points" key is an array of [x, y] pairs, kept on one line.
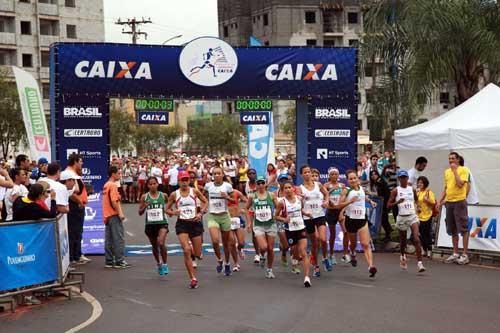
{"points": [[289, 126], [12, 130], [215, 135], [122, 128], [150, 138], [425, 44]]}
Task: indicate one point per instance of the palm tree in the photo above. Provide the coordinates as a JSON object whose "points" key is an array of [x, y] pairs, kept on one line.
{"points": [[423, 45]]}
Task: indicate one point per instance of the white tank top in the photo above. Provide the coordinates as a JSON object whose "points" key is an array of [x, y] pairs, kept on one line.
{"points": [[216, 203], [294, 211], [186, 205], [407, 207], [313, 201], [356, 210]]}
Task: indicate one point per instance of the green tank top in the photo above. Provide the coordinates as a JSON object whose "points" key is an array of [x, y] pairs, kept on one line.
{"points": [[155, 212], [263, 210]]}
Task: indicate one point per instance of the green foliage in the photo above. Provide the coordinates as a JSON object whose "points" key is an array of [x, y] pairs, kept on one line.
{"points": [[12, 131], [122, 128], [289, 126], [423, 45], [219, 134], [149, 138]]}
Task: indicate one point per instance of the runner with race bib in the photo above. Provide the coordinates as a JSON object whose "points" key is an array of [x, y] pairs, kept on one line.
{"points": [[353, 199], [153, 204], [189, 203], [237, 227], [290, 211]]}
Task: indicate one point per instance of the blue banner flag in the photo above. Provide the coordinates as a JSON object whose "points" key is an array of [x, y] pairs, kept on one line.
{"points": [[254, 41], [28, 254], [261, 146]]}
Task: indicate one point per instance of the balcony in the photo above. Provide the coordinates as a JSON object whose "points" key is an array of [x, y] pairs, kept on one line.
{"points": [[47, 40], [48, 9], [7, 5], [8, 38]]}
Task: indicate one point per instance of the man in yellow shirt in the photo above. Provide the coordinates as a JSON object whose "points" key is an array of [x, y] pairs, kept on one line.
{"points": [[454, 198]]}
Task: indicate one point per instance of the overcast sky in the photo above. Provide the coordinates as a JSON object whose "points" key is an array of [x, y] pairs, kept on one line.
{"points": [[189, 18]]}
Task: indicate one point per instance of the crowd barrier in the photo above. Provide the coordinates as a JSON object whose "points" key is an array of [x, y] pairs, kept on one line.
{"points": [[34, 255], [482, 226]]}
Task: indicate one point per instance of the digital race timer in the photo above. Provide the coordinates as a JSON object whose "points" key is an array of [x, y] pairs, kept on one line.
{"points": [[153, 104], [254, 105]]}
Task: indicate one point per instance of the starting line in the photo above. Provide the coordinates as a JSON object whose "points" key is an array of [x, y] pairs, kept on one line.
{"points": [[174, 250]]}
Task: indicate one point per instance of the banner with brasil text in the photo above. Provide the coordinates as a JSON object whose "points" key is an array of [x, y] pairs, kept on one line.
{"points": [[33, 115]]}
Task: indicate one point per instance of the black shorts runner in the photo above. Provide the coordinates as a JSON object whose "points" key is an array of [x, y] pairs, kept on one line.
{"points": [[312, 224], [153, 230], [293, 237], [193, 229], [332, 216], [353, 225]]}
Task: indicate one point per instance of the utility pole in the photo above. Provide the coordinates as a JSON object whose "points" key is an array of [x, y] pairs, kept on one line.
{"points": [[133, 24]]}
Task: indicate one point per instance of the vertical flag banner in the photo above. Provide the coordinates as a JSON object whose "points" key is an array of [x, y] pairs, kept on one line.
{"points": [[261, 146], [33, 115]]}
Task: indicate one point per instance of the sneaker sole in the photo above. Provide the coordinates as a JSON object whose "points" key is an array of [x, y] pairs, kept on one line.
{"points": [[307, 284]]}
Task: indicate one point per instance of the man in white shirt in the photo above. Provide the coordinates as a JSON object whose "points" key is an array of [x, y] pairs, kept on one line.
{"points": [[157, 172], [173, 178], [417, 171], [18, 190], [62, 191]]}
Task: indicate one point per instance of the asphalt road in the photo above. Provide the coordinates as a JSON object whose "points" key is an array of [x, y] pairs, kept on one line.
{"points": [[447, 298]]}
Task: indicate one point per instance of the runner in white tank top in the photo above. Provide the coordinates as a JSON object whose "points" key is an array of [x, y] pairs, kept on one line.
{"points": [[183, 203], [291, 212], [316, 200], [353, 199], [405, 197]]}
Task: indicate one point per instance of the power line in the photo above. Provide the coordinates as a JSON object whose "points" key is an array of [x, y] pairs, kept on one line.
{"points": [[134, 24]]}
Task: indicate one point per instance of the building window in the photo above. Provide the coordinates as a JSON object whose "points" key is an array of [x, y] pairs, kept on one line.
{"points": [[4, 59], [25, 28], [353, 42], [369, 96], [236, 25], [70, 31], [265, 18], [329, 42], [310, 17], [225, 31], [25, 1], [254, 19], [311, 42], [46, 90], [27, 60], [52, 2], [45, 59], [49, 28], [70, 3], [352, 18], [368, 70], [444, 98]]}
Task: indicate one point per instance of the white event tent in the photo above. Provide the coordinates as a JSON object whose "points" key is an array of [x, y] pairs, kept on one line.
{"points": [[473, 130]]}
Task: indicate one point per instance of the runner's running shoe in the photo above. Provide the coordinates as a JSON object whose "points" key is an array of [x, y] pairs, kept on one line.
{"points": [[193, 284], [463, 259], [164, 269], [354, 261], [328, 266], [307, 282], [256, 259], [317, 272], [420, 267], [333, 260], [236, 268], [269, 273], [122, 265], [403, 263], [452, 259], [219, 266], [284, 262], [346, 259], [373, 271], [227, 269]]}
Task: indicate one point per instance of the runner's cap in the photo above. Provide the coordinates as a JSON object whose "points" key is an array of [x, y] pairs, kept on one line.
{"points": [[402, 173], [184, 175]]}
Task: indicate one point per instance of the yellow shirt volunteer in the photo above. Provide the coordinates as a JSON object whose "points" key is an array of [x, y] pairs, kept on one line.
{"points": [[242, 173], [453, 192], [425, 212]]}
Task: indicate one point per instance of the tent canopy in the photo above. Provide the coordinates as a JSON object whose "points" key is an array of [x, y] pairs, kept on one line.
{"points": [[473, 124]]}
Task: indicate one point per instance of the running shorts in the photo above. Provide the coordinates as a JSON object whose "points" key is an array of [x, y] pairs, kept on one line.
{"points": [[456, 217], [222, 222], [153, 230], [293, 237], [270, 230], [332, 216], [312, 224], [353, 225], [192, 228], [404, 222]]}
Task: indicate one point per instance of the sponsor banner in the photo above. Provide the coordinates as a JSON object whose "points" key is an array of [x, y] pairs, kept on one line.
{"points": [[152, 117], [332, 135], [93, 227], [206, 67], [64, 243], [261, 146], [83, 133], [29, 254], [255, 117], [33, 114], [482, 226]]}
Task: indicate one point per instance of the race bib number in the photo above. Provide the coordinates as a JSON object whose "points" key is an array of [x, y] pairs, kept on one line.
{"points": [[314, 206], [235, 223], [217, 205], [296, 223], [155, 215], [406, 208], [263, 214], [335, 199], [187, 213]]}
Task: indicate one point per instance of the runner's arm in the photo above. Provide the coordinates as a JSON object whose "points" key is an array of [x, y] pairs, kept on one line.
{"points": [[277, 214], [326, 196], [170, 202], [342, 202], [247, 213], [203, 199], [392, 199]]}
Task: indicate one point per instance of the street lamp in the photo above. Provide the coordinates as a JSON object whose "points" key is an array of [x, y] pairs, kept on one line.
{"points": [[172, 38]]}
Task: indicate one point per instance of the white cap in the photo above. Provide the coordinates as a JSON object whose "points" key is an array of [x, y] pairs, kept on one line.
{"points": [[68, 174]]}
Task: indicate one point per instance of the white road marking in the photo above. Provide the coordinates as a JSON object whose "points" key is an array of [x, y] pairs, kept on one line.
{"points": [[133, 300], [96, 311], [130, 234], [356, 284]]}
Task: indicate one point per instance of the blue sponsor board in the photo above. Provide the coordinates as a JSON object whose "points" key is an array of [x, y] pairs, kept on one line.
{"points": [[254, 117], [93, 228], [332, 135], [28, 254], [149, 70], [152, 117]]}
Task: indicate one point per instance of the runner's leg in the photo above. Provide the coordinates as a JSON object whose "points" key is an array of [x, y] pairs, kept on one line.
{"points": [[214, 234], [162, 235], [184, 240]]}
